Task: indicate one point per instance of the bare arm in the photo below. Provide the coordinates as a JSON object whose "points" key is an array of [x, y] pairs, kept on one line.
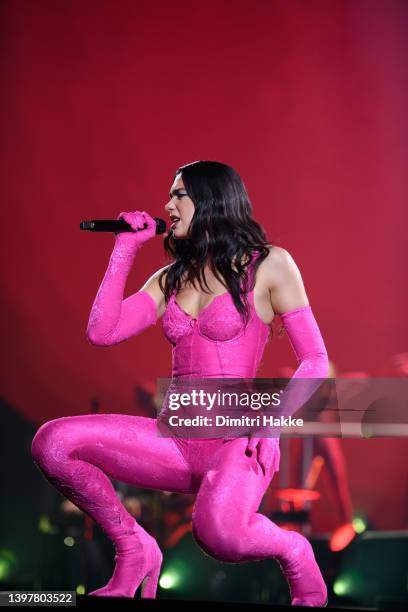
{"points": [[152, 287], [285, 283], [289, 300]]}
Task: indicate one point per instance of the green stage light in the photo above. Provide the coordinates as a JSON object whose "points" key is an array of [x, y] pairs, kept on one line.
{"points": [[68, 541], [342, 586], [359, 524], [7, 559], [80, 589], [4, 568], [44, 525], [169, 579]]}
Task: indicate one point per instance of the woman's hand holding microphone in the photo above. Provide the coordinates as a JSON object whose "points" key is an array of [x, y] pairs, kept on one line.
{"points": [[132, 241]]}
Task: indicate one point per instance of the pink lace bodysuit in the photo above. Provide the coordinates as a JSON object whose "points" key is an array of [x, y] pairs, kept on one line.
{"points": [[79, 455], [215, 344]]}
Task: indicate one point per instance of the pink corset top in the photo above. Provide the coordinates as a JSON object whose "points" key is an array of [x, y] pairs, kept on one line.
{"points": [[216, 344]]}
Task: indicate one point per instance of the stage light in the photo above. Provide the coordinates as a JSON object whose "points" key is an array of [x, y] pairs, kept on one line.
{"points": [[45, 526], [359, 524], [68, 541], [342, 537], [4, 568], [342, 586], [7, 559], [169, 579], [80, 589]]}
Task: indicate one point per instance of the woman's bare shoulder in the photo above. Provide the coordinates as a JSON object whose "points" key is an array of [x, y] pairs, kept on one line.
{"points": [[276, 252], [277, 265], [284, 280], [276, 260], [154, 278], [152, 286]]}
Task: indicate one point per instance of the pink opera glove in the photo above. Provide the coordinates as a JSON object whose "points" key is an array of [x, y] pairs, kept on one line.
{"points": [[308, 346], [113, 319]]}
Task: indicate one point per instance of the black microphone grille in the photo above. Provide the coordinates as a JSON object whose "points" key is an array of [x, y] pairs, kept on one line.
{"points": [[160, 225]]}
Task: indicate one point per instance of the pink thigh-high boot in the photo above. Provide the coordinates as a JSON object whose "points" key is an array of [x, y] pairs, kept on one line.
{"points": [[228, 527], [79, 455]]}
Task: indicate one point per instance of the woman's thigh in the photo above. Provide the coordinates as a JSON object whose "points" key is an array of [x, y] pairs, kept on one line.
{"points": [[233, 486], [126, 447]]}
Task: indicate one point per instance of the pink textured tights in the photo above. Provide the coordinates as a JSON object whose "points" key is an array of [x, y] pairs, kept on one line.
{"points": [[79, 455]]}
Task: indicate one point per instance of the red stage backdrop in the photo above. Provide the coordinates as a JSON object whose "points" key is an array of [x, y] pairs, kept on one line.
{"points": [[102, 100]]}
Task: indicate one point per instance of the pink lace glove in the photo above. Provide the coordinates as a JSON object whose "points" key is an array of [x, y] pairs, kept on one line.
{"points": [[113, 319], [308, 346]]}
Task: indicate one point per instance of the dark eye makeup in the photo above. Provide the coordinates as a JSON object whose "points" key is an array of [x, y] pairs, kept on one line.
{"points": [[178, 193]]}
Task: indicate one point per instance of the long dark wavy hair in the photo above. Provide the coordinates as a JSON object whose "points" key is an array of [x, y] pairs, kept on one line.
{"points": [[222, 232]]}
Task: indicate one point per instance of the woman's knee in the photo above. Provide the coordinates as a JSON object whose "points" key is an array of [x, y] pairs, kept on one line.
{"points": [[48, 441], [217, 537]]}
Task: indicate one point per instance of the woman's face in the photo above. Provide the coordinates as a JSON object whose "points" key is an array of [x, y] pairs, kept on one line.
{"points": [[180, 206]]}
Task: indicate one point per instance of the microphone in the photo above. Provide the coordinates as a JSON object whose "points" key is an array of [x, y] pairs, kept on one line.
{"points": [[118, 225]]}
